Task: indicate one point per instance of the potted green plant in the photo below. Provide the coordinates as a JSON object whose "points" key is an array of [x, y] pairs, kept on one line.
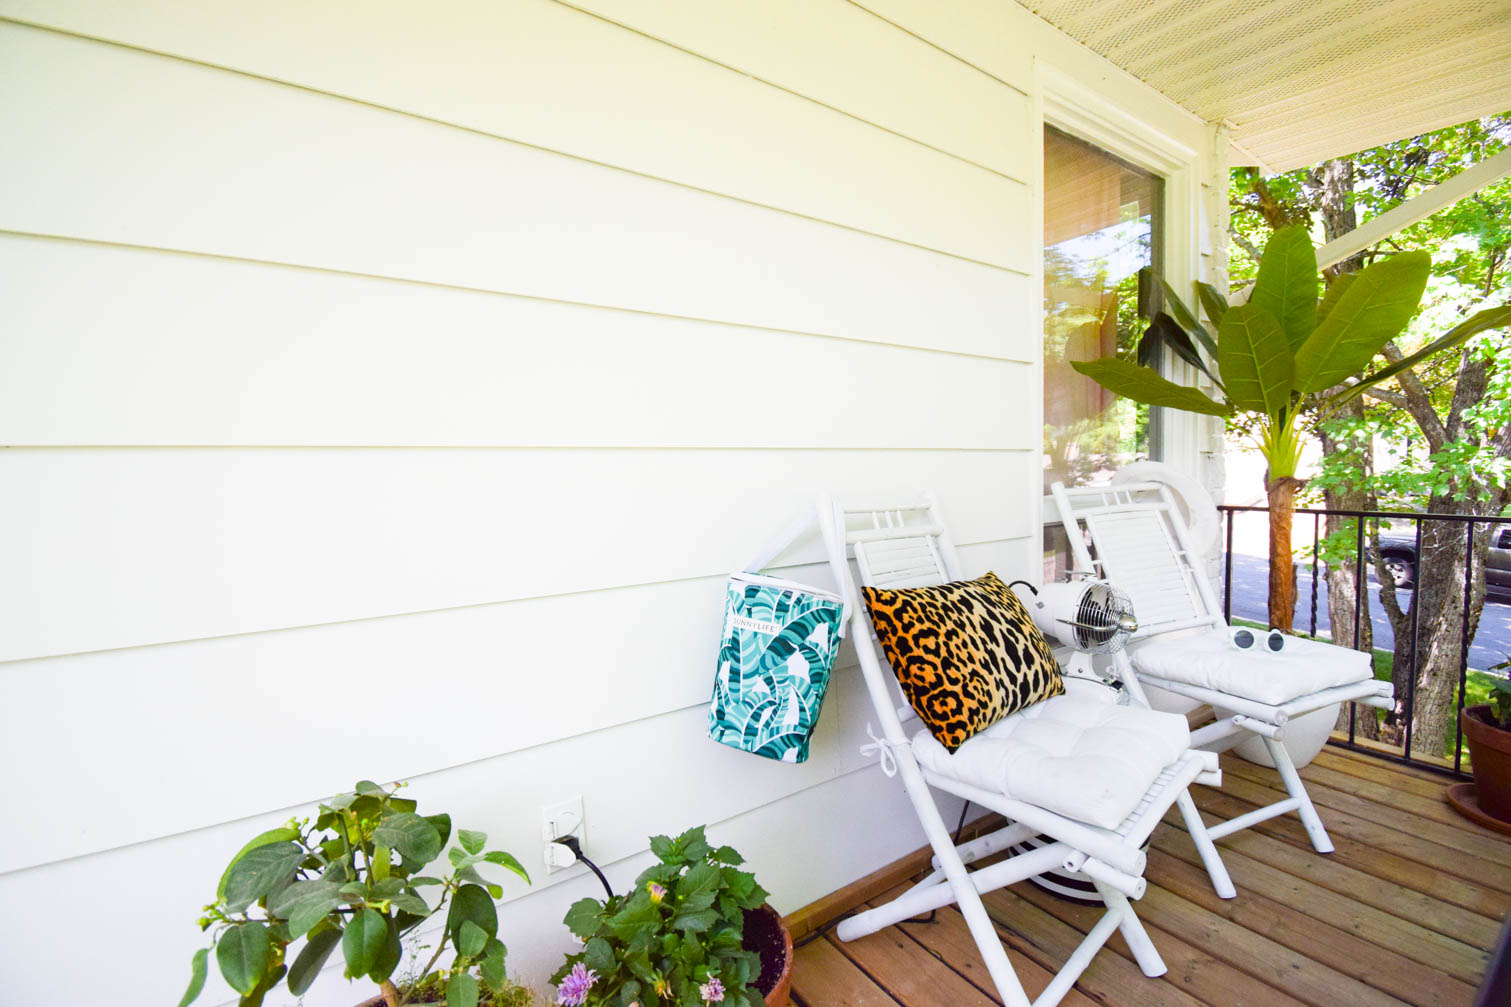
{"points": [[1487, 729], [354, 877], [694, 932]]}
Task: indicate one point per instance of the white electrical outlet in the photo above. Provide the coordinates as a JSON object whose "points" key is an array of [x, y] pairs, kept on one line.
{"points": [[559, 820]]}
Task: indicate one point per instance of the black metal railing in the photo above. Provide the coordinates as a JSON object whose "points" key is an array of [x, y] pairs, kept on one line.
{"points": [[1361, 594]]}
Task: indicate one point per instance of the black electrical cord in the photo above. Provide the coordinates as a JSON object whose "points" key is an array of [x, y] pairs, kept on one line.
{"points": [[932, 917], [571, 843]]}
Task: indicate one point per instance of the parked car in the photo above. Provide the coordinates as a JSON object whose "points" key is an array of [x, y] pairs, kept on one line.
{"points": [[1400, 553]]}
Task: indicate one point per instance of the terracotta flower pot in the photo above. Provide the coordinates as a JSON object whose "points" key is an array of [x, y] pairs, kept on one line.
{"points": [[768, 936], [1490, 752]]}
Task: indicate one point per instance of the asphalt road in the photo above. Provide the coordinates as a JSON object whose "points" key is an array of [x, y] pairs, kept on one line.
{"points": [[1251, 574]]}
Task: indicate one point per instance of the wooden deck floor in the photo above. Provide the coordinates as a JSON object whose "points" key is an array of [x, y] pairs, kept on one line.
{"points": [[1404, 911]]}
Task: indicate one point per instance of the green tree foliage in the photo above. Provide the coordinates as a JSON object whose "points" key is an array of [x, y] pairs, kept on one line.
{"points": [[1444, 420]]}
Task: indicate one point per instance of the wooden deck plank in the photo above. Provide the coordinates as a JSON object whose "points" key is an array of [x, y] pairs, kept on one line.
{"points": [[1363, 799], [1345, 822], [1192, 971], [1398, 934], [1380, 771], [822, 977], [1404, 911], [1397, 767], [949, 940], [1297, 927]]}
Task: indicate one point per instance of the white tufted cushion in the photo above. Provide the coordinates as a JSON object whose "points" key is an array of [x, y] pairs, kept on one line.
{"points": [[1209, 660], [1075, 755]]}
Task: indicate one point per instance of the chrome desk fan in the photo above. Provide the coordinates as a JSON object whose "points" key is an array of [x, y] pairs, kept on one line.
{"points": [[1093, 618]]}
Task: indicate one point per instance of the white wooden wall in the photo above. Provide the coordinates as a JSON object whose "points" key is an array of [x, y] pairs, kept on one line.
{"points": [[387, 387]]}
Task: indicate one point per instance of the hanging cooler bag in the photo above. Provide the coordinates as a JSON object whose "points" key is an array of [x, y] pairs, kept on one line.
{"points": [[779, 644]]}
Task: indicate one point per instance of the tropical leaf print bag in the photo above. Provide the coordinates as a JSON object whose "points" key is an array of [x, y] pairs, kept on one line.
{"points": [[779, 643]]}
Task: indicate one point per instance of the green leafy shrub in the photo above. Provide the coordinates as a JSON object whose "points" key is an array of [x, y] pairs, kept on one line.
{"points": [[1500, 696], [676, 939], [353, 878]]}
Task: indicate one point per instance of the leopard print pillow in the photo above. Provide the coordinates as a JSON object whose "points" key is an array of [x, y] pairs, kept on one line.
{"points": [[967, 654]]}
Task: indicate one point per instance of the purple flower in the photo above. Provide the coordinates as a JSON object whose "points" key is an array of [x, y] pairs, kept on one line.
{"points": [[712, 991], [573, 991], [658, 892]]}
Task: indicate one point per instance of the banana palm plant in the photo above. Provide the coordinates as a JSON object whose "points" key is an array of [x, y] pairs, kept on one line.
{"points": [[1283, 357]]}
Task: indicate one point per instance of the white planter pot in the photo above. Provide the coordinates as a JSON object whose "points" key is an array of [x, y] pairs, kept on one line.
{"points": [[1304, 738]]}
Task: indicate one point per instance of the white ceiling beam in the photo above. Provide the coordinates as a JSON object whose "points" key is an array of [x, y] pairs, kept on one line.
{"points": [[1423, 204]]}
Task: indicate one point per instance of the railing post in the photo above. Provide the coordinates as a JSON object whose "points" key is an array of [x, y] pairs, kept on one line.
{"points": [[1316, 541], [1361, 595], [1227, 573], [1416, 618], [1458, 724]]}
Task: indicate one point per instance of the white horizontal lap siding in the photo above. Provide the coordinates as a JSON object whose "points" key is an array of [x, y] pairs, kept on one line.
{"points": [[748, 100], [512, 676], [139, 546], [317, 358], [357, 356], [166, 153], [164, 883]]}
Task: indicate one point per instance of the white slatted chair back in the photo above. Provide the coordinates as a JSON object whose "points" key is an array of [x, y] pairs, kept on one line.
{"points": [[896, 545], [1142, 546]]}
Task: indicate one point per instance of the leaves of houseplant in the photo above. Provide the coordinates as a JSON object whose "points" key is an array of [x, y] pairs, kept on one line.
{"points": [[1490, 318], [1373, 309], [1140, 384], [1287, 284], [363, 940], [197, 970], [312, 959], [414, 837], [259, 871], [1255, 358], [243, 954]]}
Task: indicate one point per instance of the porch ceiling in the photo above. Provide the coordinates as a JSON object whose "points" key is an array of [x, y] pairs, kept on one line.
{"points": [[1299, 81]]}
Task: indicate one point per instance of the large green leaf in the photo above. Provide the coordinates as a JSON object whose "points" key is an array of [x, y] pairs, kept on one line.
{"points": [[507, 861], [1187, 318], [259, 872], [1371, 312], [1255, 358], [471, 841], [1334, 291], [363, 941], [584, 918], [197, 969], [1287, 284], [1490, 318], [461, 991], [1166, 331], [1142, 385], [284, 835], [243, 954], [1213, 300], [493, 971], [312, 959], [305, 903], [389, 955], [414, 837], [472, 903]]}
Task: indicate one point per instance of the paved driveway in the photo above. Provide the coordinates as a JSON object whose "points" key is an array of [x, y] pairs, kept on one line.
{"points": [[1251, 578]]}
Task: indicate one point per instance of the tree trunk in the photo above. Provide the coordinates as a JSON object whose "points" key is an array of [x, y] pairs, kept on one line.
{"points": [[1347, 598], [1282, 493], [1440, 630]]}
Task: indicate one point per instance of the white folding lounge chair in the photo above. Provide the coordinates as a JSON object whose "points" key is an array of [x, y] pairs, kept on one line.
{"points": [[1183, 644], [1092, 776]]}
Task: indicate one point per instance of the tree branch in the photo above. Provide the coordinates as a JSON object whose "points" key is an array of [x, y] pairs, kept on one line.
{"points": [[1245, 244], [1418, 402], [1390, 398]]}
